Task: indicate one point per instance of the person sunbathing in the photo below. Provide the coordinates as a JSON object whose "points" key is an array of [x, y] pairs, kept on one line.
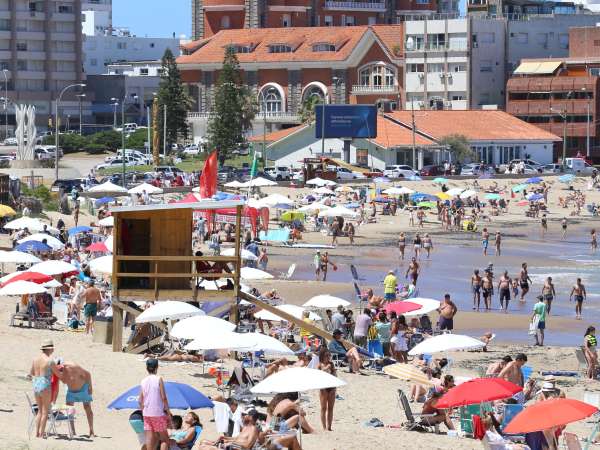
{"points": [[178, 356], [373, 300], [336, 347], [418, 391], [276, 366], [441, 416], [245, 440], [286, 406]]}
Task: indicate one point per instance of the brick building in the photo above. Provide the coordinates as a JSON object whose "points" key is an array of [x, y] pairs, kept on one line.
{"points": [[211, 16], [284, 67], [561, 95]]}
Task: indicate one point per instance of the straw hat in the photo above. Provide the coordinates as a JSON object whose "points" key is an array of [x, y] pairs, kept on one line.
{"points": [[548, 387], [47, 344]]}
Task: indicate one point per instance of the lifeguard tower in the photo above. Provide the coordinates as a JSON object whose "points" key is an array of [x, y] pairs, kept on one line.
{"points": [[153, 258]]}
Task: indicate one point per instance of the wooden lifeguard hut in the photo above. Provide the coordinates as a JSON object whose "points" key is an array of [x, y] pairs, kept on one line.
{"points": [[153, 258]]}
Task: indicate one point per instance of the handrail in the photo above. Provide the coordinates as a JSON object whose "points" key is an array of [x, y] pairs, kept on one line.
{"points": [[174, 258]]}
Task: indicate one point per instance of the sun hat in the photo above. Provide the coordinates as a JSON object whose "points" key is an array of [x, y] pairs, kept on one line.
{"points": [[548, 386], [47, 344]]}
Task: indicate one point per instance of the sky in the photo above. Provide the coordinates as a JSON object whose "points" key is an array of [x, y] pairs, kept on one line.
{"points": [[154, 18]]}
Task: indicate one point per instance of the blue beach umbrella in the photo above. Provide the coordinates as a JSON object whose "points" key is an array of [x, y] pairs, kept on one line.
{"points": [[567, 178], [179, 395], [533, 180], [78, 230], [535, 197], [103, 201], [381, 180], [493, 196], [519, 187], [33, 246], [421, 196]]}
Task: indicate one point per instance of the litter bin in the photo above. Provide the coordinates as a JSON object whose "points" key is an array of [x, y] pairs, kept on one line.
{"points": [[103, 329]]}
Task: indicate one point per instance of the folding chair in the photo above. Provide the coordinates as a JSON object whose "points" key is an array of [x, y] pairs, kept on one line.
{"points": [[571, 441], [55, 418], [467, 413], [287, 275], [411, 423], [510, 411]]}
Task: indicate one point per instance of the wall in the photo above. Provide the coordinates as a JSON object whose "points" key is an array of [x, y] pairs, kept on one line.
{"points": [[487, 65], [584, 42]]}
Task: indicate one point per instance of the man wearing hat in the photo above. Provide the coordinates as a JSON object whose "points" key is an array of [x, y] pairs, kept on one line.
{"points": [[549, 389], [42, 369]]}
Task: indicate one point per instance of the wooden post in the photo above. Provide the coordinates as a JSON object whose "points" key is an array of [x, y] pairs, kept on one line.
{"points": [[117, 337], [155, 281], [238, 265]]}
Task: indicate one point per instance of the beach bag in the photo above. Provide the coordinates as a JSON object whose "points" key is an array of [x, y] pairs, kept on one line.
{"points": [[533, 325], [372, 333]]}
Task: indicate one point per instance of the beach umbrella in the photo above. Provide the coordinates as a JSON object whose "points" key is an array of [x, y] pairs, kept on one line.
{"points": [[245, 254], [292, 310], [179, 396], [290, 216], [427, 305], [297, 379], [18, 257], [440, 180], [260, 182], [535, 197], [426, 205], [103, 201], [22, 288], [34, 277], [169, 310], [6, 211], [454, 192], [276, 200], [107, 187], [380, 180], [533, 180], [250, 273], [224, 340], [567, 178], [199, 325], [478, 390], [268, 344], [519, 188], [401, 307], [323, 191], [313, 207], [107, 222], [407, 372], [326, 301], [415, 178], [345, 189], [41, 237], [339, 211], [102, 265], [30, 223], [109, 243], [445, 343], [468, 194], [145, 187], [78, 230], [422, 197], [320, 182], [52, 284], [548, 414], [235, 184], [395, 191], [55, 267], [443, 196], [33, 247], [99, 247], [493, 196]]}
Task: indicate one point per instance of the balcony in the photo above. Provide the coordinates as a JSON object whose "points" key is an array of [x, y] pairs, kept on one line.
{"points": [[431, 47], [355, 6], [271, 117], [359, 89]]}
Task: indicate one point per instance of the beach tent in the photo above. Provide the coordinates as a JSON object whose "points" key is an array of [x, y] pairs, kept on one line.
{"points": [[199, 325], [169, 310], [297, 379], [259, 182], [145, 187], [108, 187], [445, 343], [179, 396], [326, 301]]}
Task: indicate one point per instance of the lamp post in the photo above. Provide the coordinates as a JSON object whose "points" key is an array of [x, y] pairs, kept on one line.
{"points": [[134, 97], [587, 131], [5, 72], [57, 125], [264, 142], [115, 103], [80, 97]]}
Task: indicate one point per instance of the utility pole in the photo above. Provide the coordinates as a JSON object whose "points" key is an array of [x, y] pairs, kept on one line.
{"points": [[414, 137], [587, 134], [80, 97], [149, 124], [165, 130]]}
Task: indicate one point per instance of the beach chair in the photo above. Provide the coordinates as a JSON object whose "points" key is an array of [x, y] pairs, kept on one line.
{"points": [[571, 441], [55, 418], [467, 413], [411, 423], [510, 411], [287, 275]]}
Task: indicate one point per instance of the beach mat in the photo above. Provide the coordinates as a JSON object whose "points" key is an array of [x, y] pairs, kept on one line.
{"points": [[560, 373]]}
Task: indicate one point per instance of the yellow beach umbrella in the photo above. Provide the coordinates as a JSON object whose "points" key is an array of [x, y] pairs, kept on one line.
{"points": [[407, 372], [7, 211], [442, 196]]}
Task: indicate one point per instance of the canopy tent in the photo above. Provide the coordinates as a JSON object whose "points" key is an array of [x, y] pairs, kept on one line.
{"points": [[108, 187], [257, 218], [145, 187], [274, 200], [259, 182]]}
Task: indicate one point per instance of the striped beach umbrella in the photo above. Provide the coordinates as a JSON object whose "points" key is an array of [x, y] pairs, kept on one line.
{"points": [[407, 372]]}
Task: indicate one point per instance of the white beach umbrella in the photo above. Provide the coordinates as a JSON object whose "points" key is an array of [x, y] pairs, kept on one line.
{"points": [[323, 191], [313, 207], [250, 273], [22, 287], [292, 310], [169, 310], [18, 257], [454, 191], [52, 284], [268, 344], [326, 301], [54, 267], [276, 199], [445, 343], [297, 379], [30, 223], [109, 243], [246, 254], [198, 326], [108, 221], [145, 187], [108, 187], [259, 182], [40, 237], [427, 305], [231, 184], [341, 211], [397, 191], [344, 189], [224, 340], [468, 194], [215, 285], [102, 265], [320, 182]]}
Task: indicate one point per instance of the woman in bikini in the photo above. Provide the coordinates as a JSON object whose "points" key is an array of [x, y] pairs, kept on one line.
{"points": [[402, 244], [326, 396]]}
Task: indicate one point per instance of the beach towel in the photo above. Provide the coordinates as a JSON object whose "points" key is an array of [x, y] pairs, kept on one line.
{"points": [[282, 235], [478, 428], [221, 413]]}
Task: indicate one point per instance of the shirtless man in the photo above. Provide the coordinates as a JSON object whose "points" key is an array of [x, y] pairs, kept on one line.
{"points": [[563, 224], [485, 240], [476, 288], [504, 290], [544, 224], [245, 440], [487, 286], [79, 390], [447, 312], [548, 293], [498, 242], [580, 295], [93, 300], [512, 372], [524, 281], [413, 269]]}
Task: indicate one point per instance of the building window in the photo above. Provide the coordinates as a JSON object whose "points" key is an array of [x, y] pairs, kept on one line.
{"points": [[485, 65], [4, 24], [372, 20], [144, 71], [542, 39], [414, 43], [4, 65], [328, 21], [65, 9], [522, 38], [435, 68], [458, 67], [280, 48], [93, 62], [241, 48], [415, 68], [271, 100], [323, 47], [21, 65], [422, 2], [457, 98], [21, 46], [377, 75], [286, 21], [225, 22], [122, 45], [313, 91], [436, 41], [362, 157], [563, 40], [152, 45], [348, 21]]}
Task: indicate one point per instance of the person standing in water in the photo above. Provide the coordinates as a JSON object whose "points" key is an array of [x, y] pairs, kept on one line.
{"points": [[498, 242], [417, 245], [317, 264], [427, 244], [563, 224], [402, 244], [524, 281], [539, 313], [580, 295], [476, 288], [548, 293], [593, 241], [485, 240], [544, 224], [504, 290], [413, 269], [488, 289]]}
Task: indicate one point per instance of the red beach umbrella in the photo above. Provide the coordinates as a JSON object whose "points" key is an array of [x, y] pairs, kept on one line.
{"points": [[478, 390], [34, 277], [99, 247], [523, 203], [401, 307], [549, 413]]}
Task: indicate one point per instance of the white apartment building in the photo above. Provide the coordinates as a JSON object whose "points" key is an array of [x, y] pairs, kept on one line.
{"points": [[96, 17]]}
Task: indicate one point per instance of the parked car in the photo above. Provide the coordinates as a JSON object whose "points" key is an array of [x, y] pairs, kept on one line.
{"points": [[347, 174], [476, 169], [431, 170], [192, 150], [43, 153], [67, 185], [168, 171], [539, 167], [578, 165], [279, 172], [399, 171], [552, 168], [531, 170], [10, 141], [117, 162]]}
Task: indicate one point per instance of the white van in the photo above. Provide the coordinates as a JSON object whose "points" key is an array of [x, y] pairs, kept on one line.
{"points": [[578, 165]]}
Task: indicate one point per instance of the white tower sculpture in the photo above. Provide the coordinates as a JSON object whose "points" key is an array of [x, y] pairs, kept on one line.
{"points": [[25, 118]]}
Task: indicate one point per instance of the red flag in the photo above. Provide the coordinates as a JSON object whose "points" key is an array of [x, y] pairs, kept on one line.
{"points": [[208, 178]]}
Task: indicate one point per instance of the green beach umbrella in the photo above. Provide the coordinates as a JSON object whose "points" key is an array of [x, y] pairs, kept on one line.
{"points": [[440, 180], [426, 205], [290, 216], [519, 187], [493, 196]]}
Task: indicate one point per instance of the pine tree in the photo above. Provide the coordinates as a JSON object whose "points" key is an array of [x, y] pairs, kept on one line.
{"points": [[172, 95], [233, 109]]}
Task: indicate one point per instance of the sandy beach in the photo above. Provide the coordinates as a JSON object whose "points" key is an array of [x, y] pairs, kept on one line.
{"points": [[454, 257]]}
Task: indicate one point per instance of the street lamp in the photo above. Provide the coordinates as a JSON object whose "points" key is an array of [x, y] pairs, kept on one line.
{"points": [[587, 131], [80, 97], [134, 97], [264, 143], [115, 103], [57, 137], [5, 72]]}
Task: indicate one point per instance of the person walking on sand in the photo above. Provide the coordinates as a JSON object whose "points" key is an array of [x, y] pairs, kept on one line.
{"points": [[155, 408], [593, 241], [476, 282], [317, 263], [485, 240], [504, 291], [326, 396], [413, 269], [42, 369], [563, 224], [548, 293], [524, 281], [487, 287], [325, 265], [498, 242], [93, 301], [580, 295], [539, 315], [335, 232], [390, 284], [417, 243], [401, 244], [79, 390], [447, 312], [544, 225]]}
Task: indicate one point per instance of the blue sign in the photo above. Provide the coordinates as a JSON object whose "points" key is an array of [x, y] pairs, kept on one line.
{"points": [[346, 121]]}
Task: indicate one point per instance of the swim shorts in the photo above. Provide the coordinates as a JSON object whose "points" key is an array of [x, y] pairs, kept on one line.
{"points": [[579, 298], [446, 324], [505, 294], [90, 310], [156, 424], [80, 396]]}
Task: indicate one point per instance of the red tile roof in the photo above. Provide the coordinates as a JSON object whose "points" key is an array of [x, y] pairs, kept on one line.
{"points": [[482, 125], [390, 134], [301, 39], [276, 135]]}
